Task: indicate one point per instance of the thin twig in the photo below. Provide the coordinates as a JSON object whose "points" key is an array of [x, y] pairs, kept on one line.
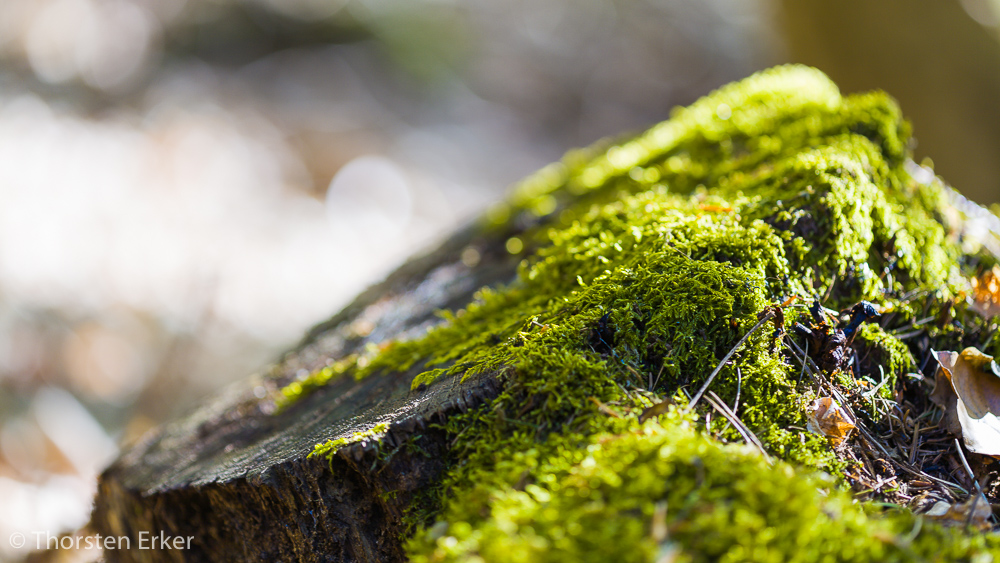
{"points": [[658, 374], [993, 333], [803, 372], [697, 396], [916, 440], [965, 464], [821, 378], [829, 290], [979, 489], [805, 365], [739, 383], [736, 403], [867, 462], [927, 358], [941, 482], [868, 439], [624, 391], [804, 359], [910, 334], [870, 394], [633, 371], [745, 432]]}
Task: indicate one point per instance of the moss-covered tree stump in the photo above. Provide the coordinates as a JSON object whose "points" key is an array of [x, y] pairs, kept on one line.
{"points": [[524, 393]]}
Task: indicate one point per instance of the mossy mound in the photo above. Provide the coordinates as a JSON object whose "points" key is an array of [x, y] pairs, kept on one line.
{"points": [[645, 261], [664, 492]]}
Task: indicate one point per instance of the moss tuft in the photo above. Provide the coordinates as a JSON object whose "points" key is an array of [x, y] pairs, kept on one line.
{"points": [[330, 447], [298, 389], [648, 260], [891, 356], [663, 489]]}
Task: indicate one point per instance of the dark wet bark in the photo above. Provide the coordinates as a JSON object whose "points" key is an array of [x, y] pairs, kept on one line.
{"points": [[235, 476]]}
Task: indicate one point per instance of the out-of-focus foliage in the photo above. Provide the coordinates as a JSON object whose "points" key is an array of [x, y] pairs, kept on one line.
{"points": [[941, 60]]}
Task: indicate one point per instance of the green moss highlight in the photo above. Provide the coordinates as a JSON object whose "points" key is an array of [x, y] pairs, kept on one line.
{"points": [[819, 173], [811, 192], [298, 389], [330, 447], [598, 501], [825, 170], [649, 259]]}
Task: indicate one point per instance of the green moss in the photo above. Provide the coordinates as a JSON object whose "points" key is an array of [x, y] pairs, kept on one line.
{"points": [[889, 353], [663, 488], [648, 261], [330, 447], [297, 389]]}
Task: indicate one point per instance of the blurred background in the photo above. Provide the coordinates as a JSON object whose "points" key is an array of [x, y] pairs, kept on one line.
{"points": [[187, 185]]}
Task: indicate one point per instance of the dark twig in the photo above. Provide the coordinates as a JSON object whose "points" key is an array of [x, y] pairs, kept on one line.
{"points": [[927, 358], [945, 485], [915, 443]]}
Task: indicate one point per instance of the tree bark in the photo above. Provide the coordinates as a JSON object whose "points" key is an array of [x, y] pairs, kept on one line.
{"points": [[235, 476]]}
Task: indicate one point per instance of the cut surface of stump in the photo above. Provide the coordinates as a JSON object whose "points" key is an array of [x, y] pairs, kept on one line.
{"points": [[547, 417], [236, 475]]}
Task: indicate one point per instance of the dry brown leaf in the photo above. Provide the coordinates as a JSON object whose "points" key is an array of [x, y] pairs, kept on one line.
{"points": [[827, 418], [967, 387], [655, 410], [975, 512], [986, 293]]}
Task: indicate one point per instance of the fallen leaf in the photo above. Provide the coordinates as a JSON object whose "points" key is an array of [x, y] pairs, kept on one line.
{"points": [[655, 410], [967, 387], [975, 512], [826, 418], [986, 293]]}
